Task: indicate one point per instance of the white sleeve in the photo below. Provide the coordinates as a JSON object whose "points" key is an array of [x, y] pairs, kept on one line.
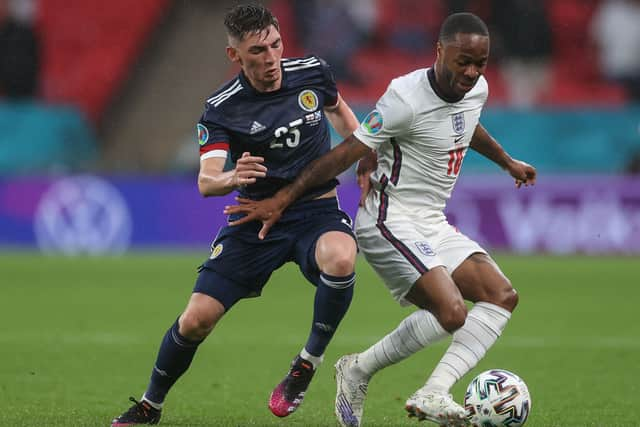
{"points": [[393, 116]]}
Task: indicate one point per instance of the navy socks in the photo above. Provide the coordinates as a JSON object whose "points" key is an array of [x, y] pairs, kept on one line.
{"points": [[174, 357], [332, 300]]}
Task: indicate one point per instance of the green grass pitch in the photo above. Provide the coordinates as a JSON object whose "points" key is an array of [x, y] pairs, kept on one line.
{"points": [[79, 336]]}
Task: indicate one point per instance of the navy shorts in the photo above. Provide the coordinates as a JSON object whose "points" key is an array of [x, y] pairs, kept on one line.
{"points": [[241, 264]]}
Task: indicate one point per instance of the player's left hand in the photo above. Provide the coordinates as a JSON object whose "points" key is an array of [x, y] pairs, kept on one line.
{"points": [[523, 173], [268, 211]]}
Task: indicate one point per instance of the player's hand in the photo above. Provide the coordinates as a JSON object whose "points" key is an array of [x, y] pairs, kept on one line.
{"points": [[366, 165], [248, 169], [523, 173], [268, 211]]}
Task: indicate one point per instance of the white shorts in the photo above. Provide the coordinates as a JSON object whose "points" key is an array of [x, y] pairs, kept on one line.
{"points": [[401, 249]]}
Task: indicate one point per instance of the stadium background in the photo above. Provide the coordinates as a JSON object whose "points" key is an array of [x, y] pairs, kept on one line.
{"points": [[101, 225]]}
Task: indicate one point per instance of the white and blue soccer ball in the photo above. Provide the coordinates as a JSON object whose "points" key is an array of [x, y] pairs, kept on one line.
{"points": [[497, 398]]}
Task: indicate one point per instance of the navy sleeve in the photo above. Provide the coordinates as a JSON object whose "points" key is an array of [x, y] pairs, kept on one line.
{"points": [[330, 89], [212, 138]]}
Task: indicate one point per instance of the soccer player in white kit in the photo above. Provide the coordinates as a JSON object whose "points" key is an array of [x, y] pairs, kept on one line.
{"points": [[421, 129]]}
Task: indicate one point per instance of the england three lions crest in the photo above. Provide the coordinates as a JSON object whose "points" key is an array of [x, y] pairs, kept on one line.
{"points": [[457, 120]]}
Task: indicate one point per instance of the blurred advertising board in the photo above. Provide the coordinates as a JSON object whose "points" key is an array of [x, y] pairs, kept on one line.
{"points": [[560, 214], [100, 215]]}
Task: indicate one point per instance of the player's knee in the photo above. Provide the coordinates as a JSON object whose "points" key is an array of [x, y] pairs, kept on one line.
{"points": [[453, 317], [338, 263], [196, 326], [336, 254], [504, 296], [340, 266], [510, 299]]}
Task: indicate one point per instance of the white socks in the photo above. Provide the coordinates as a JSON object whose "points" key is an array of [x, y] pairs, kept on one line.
{"points": [[415, 332], [315, 360], [485, 322], [154, 405]]}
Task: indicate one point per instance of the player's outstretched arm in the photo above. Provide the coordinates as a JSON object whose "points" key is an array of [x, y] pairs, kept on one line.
{"points": [[342, 118], [318, 172], [213, 181], [486, 145], [345, 122]]}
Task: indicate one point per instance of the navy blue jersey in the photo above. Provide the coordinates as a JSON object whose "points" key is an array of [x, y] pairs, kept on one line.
{"points": [[287, 127]]}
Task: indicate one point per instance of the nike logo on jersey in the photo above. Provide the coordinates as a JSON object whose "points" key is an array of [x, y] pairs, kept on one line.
{"points": [[256, 127], [458, 139]]}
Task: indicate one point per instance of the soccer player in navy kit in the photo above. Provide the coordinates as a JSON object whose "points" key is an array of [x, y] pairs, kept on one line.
{"points": [[272, 120]]}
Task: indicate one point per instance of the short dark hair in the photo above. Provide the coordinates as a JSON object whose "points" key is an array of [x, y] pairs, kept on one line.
{"points": [[465, 23], [246, 19]]}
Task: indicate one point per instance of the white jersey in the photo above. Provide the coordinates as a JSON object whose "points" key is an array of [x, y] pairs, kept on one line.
{"points": [[421, 140]]}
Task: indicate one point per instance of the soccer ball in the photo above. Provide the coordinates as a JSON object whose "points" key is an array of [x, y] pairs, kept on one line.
{"points": [[497, 398]]}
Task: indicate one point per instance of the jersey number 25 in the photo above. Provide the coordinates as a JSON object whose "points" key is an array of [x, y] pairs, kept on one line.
{"points": [[292, 138]]}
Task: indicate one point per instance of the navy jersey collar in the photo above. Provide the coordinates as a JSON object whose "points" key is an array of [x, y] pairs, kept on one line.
{"points": [[431, 74]]}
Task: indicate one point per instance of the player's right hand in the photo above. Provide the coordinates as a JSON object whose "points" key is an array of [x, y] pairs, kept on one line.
{"points": [[248, 169], [268, 211], [523, 173], [365, 167]]}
